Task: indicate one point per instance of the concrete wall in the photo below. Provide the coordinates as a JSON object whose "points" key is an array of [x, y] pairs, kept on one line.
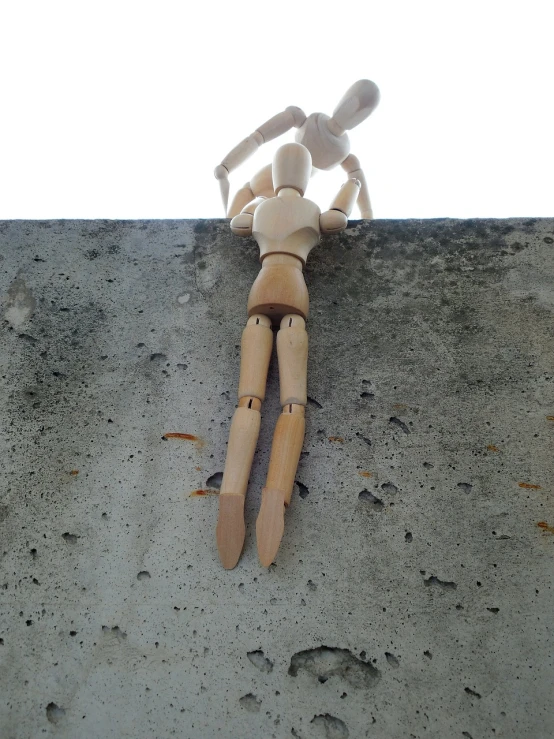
{"points": [[412, 595]]}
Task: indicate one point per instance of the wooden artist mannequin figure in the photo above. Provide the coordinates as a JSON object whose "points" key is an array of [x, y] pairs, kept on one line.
{"points": [[286, 228], [325, 138]]}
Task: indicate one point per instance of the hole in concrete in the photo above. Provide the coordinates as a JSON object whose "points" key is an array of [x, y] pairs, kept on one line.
{"points": [[54, 713], [303, 491], [27, 337], [392, 660], [465, 486], [326, 662], [368, 497], [250, 703], [314, 403], [214, 481], [441, 583], [116, 631], [332, 726], [260, 661], [401, 425]]}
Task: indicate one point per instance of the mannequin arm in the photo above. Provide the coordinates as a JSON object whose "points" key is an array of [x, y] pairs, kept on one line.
{"points": [[351, 165], [271, 129], [336, 218]]}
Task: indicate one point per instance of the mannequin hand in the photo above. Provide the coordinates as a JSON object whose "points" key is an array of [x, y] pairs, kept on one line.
{"points": [[332, 221], [241, 225]]}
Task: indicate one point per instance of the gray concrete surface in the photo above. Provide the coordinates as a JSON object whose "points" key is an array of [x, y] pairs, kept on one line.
{"points": [[412, 595]]}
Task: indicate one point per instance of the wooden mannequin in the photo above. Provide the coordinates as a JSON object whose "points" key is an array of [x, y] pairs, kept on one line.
{"points": [[286, 228], [324, 137]]}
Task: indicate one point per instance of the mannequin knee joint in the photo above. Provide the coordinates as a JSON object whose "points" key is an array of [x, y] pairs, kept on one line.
{"points": [[293, 321], [258, 319]]}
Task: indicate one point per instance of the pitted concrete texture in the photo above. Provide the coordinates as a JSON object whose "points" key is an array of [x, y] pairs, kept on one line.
{"points": [[412, 595]]}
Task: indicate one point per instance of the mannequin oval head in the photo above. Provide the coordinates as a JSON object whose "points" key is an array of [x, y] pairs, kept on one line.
{"points": [[357, 104], [292, 167]]}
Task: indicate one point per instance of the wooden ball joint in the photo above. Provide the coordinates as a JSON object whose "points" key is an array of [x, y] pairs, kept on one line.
{"points": [[286, 228]]}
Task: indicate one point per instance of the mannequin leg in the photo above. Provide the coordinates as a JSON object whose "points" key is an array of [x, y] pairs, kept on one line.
{"points": [[292, 351], [257, 340]]}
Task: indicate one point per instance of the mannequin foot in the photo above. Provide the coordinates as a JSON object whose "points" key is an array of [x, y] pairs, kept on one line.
{"points": [[270, 525], [230, 529]]}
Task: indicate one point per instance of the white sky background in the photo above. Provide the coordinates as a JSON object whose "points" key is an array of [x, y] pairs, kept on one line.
{"points": [[123, 109]]}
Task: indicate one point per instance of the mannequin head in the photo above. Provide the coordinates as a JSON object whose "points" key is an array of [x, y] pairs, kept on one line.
{"points": [[357, 104]]}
